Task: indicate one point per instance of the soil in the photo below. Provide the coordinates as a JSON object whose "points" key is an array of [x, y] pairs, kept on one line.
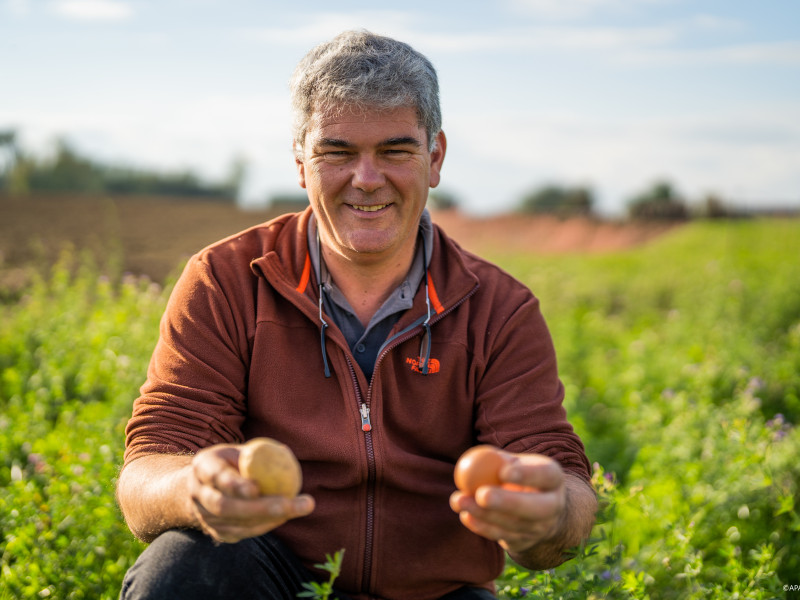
{"points": [[154, 235]]}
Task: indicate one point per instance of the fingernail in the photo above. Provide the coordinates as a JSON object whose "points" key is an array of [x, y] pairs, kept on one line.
{"points": [[485, 498], [304, 504], [514, 475], [248, 490]]}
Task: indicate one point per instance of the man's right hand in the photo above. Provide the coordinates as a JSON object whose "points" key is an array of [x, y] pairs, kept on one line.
{"points": [[157, 492], [227, 506]]}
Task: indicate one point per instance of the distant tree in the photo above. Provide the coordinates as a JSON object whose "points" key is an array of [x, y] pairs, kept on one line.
{"points": [[236, 175], [9, 154], [288, 202], [559, 201], [17, 179], [660, 202], [66, 170], [442, 200], [714, 207], [8, 144]]}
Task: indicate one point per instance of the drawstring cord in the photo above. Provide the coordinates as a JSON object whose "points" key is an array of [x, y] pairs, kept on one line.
{"points": [[322, 335], [321, 318], [425, 344]]}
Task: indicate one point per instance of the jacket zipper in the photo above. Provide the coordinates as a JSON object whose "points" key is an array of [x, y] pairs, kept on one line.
{"points": [[366, 427]]}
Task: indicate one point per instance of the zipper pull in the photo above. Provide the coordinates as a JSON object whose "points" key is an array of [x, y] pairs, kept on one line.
{"points": [[365, 423]]}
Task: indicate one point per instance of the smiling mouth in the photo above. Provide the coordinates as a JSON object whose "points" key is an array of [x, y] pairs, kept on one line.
{"points": [[375, 208]]}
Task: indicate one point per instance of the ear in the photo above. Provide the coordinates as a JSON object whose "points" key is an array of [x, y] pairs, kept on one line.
{"points": [[299, 164], [437, 158]]}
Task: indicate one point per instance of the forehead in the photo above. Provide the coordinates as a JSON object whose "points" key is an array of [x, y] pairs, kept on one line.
{"points": [[357, 121]]}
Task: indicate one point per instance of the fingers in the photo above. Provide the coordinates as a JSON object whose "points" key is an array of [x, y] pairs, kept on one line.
{"points": [[509, 509], [525, 510], [228, 507], [516, 519], [515, 537], [534, 471], [217, 467], [229, 519], [512, 506], [217, 506]]}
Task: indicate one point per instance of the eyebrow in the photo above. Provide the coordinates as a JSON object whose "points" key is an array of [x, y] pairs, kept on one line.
{"points": [[337, 143], [395, 141], [403, 141]]}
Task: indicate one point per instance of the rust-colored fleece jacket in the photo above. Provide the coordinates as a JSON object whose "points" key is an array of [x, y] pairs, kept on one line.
{"points": [[239, 356]]}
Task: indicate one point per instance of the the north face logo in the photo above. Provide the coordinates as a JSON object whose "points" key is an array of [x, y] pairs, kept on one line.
{"points": [[433, 364]]}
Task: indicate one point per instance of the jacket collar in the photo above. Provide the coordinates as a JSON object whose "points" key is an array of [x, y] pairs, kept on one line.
{"points": [[286, 264]]}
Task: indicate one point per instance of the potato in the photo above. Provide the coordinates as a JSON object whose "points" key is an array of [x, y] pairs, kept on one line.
{"points": [[272, 465], [479, 466]]}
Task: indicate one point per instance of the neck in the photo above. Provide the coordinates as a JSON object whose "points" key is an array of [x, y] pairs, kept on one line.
{"points": [[367, 284]]}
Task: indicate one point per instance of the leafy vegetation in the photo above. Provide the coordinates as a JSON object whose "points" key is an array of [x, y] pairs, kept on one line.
{"points": [[323, 591], [682, 368], [72, 353], [681, 362]]}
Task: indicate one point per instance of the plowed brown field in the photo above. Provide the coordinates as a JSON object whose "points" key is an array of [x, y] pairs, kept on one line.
{"points": [[154, 235]]}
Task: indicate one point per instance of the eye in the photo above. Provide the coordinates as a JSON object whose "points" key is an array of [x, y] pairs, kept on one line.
{"points": [[335, 155], [396, 153]]}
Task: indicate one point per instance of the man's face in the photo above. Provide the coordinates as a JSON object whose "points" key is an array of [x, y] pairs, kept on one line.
{"points": [[367, 174]]}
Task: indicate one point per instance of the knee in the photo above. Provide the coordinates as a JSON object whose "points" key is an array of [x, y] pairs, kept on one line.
{"points": [[181, 564]]}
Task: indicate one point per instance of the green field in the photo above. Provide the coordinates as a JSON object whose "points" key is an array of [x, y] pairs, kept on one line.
{"points": [[681, 362]]}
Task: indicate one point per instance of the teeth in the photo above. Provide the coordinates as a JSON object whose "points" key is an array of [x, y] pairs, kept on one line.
{"points": [[370, 208]]}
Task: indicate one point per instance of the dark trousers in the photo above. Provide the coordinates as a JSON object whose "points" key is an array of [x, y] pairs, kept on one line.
{"points": [[186, 564]]}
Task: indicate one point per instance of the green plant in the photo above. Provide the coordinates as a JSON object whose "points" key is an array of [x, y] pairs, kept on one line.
{"points": [[322, 591]]}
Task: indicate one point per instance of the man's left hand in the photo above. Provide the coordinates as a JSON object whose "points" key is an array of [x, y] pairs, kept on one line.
{"points": [[529, 508]]}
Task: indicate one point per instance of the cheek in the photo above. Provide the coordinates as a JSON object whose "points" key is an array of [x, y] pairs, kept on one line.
{"points": [[409, 182], [326, 178]]}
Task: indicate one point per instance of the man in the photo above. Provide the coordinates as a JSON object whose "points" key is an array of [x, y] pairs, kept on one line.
{"points": [[361, 336]]}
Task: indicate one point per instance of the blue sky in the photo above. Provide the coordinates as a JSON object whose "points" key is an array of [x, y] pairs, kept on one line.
{"points": [[610, 94]]}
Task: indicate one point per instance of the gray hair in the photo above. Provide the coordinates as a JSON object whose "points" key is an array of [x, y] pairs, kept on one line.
{"points": [[360, 69]]}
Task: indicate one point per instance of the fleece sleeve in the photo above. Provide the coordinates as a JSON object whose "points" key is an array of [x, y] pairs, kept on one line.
{"points": [[520, 396], [195, 392]]}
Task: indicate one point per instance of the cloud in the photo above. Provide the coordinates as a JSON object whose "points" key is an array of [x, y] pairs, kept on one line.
{"points": [[765, 53], [323, 26], [714, 23], [92, 10], [550, 38], [560, 9], [19, 8], [404, 26], [656, 44], [572, 9]]}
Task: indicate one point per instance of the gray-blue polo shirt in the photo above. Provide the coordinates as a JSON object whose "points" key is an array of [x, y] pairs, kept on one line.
{"points": [[365, 342]]}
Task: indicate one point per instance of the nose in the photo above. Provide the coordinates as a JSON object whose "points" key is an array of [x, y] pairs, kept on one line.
{"points": [[367, 175]]}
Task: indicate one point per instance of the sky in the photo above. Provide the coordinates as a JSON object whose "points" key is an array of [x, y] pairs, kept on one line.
{"points": [[613, 95]]}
